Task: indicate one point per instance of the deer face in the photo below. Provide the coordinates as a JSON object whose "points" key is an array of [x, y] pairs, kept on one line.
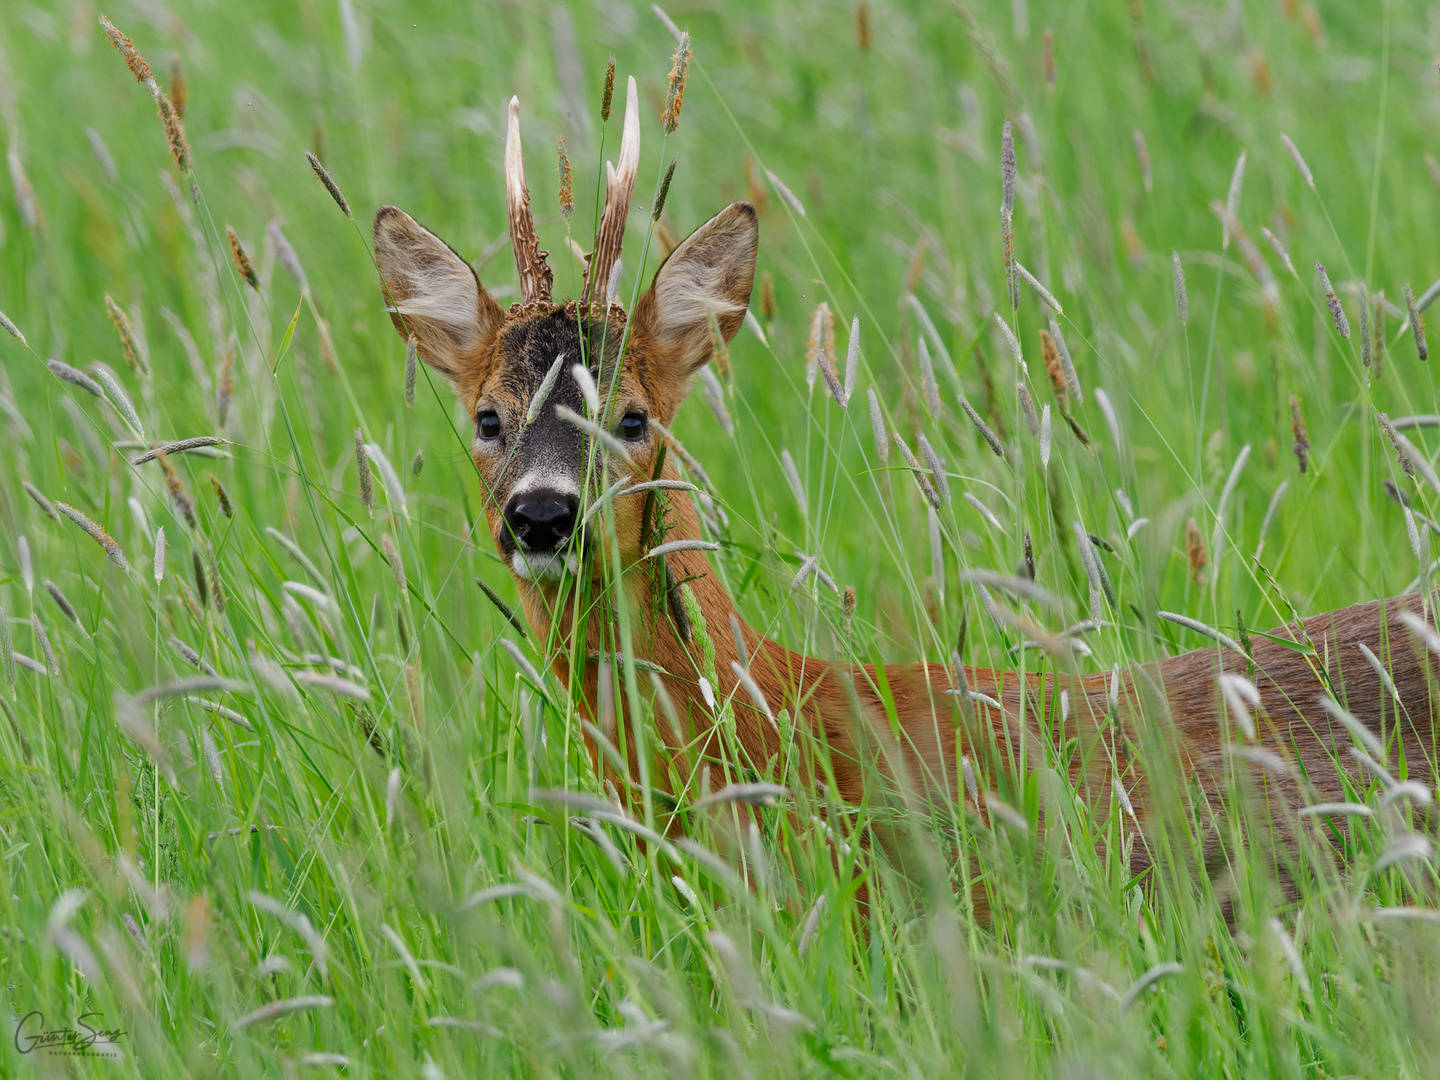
{"points": [[541, 469]]}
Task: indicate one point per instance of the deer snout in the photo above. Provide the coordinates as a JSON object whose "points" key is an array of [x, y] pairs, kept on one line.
{"points": [[542, 520]]}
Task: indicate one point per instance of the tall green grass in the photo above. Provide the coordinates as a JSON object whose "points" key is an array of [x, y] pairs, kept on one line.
{"points": [[392, 867]]}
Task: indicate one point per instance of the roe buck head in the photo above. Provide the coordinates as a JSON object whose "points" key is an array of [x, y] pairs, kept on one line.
{"points": [[538, 468]]}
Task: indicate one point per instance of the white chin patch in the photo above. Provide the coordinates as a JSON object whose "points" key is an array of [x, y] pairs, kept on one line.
{"points": [[544, 565]]}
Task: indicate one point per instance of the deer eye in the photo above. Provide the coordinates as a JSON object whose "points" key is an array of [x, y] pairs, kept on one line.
{"points": [[487, 425], [632, 426]]}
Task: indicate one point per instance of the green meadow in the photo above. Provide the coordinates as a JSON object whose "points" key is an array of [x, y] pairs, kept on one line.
{"points": [[275, 797]]}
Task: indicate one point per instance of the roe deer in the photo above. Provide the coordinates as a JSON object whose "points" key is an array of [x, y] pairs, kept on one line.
{"points": [[1362, 679]]}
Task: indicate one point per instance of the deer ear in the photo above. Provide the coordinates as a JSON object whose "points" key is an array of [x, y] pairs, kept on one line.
{"points": [[433, 293], [709, 276]]}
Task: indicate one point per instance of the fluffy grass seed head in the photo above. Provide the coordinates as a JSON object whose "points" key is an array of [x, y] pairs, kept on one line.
{"points": [[107, 542], [926, 488], [118, 399], [1278, 246], [567, 178], [986, 432], [412, 369], [664, 191], [11, 329], [1195, 552], [1366, 354], [1027, 406], [1072, 380], [1417, 324], [46, 506], [877, 427], [392, 556], [679, 72], [1142, 155], [362, 465], [128, 342], [608, 94], [1337, 313], [937, 468], [1300, 166], [8, 669], [1232, 199], [1182, 299], [75, 377], [243, 266], [820, 348], [1297, 428], [62, 602], [328, 183], [1401, 457], [222, 496]]}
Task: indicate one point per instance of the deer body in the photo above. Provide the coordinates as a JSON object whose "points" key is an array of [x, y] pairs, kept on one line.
{"points": [[567, 399]]}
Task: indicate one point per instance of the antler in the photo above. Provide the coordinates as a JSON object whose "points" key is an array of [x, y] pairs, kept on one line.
{"points": [[620, 186], [535, 275]]}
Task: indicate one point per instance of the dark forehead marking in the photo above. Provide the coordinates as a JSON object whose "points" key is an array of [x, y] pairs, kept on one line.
{"points": [[528, 348]]}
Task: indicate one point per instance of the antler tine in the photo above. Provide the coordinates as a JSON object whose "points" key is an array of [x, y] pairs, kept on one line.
{"points": [[535, 275], [621, 185]]}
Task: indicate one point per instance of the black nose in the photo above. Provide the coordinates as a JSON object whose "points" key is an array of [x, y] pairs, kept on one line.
{"points": [[542, 520]]}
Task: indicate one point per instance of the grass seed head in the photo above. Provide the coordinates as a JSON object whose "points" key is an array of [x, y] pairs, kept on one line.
{"points": [[1417, 324], [937, 468], [8, 668], [1396, 441], [179, 88], [160, 552], [417, 463], [1182, 299], [107, 542], [1027, 406], [243, 266], [128, 342], [362, 465], [1365, 350], [11, 329], [847, 602], [1008, 171], [675, 95], [664, 190], [75, 377], [1277, 246], [1142, 155], [392, 556], [62, 602], [1195, 552], [412, 369], [567, 179], [133, 60], [1054, 370], [41, 501], [862, 25], [767, 296], [328, 183], [1300, 166], [184, 506], [222, 496], [608, 94], [1337, 313], [1297, 428], [877, 427], [986, 432], [820, 348]]}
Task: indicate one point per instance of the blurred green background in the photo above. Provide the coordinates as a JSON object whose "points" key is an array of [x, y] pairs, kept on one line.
{"points": [[883, 120]]}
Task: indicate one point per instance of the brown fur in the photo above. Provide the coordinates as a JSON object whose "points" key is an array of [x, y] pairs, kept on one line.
{"points": [[1172, 706]]}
